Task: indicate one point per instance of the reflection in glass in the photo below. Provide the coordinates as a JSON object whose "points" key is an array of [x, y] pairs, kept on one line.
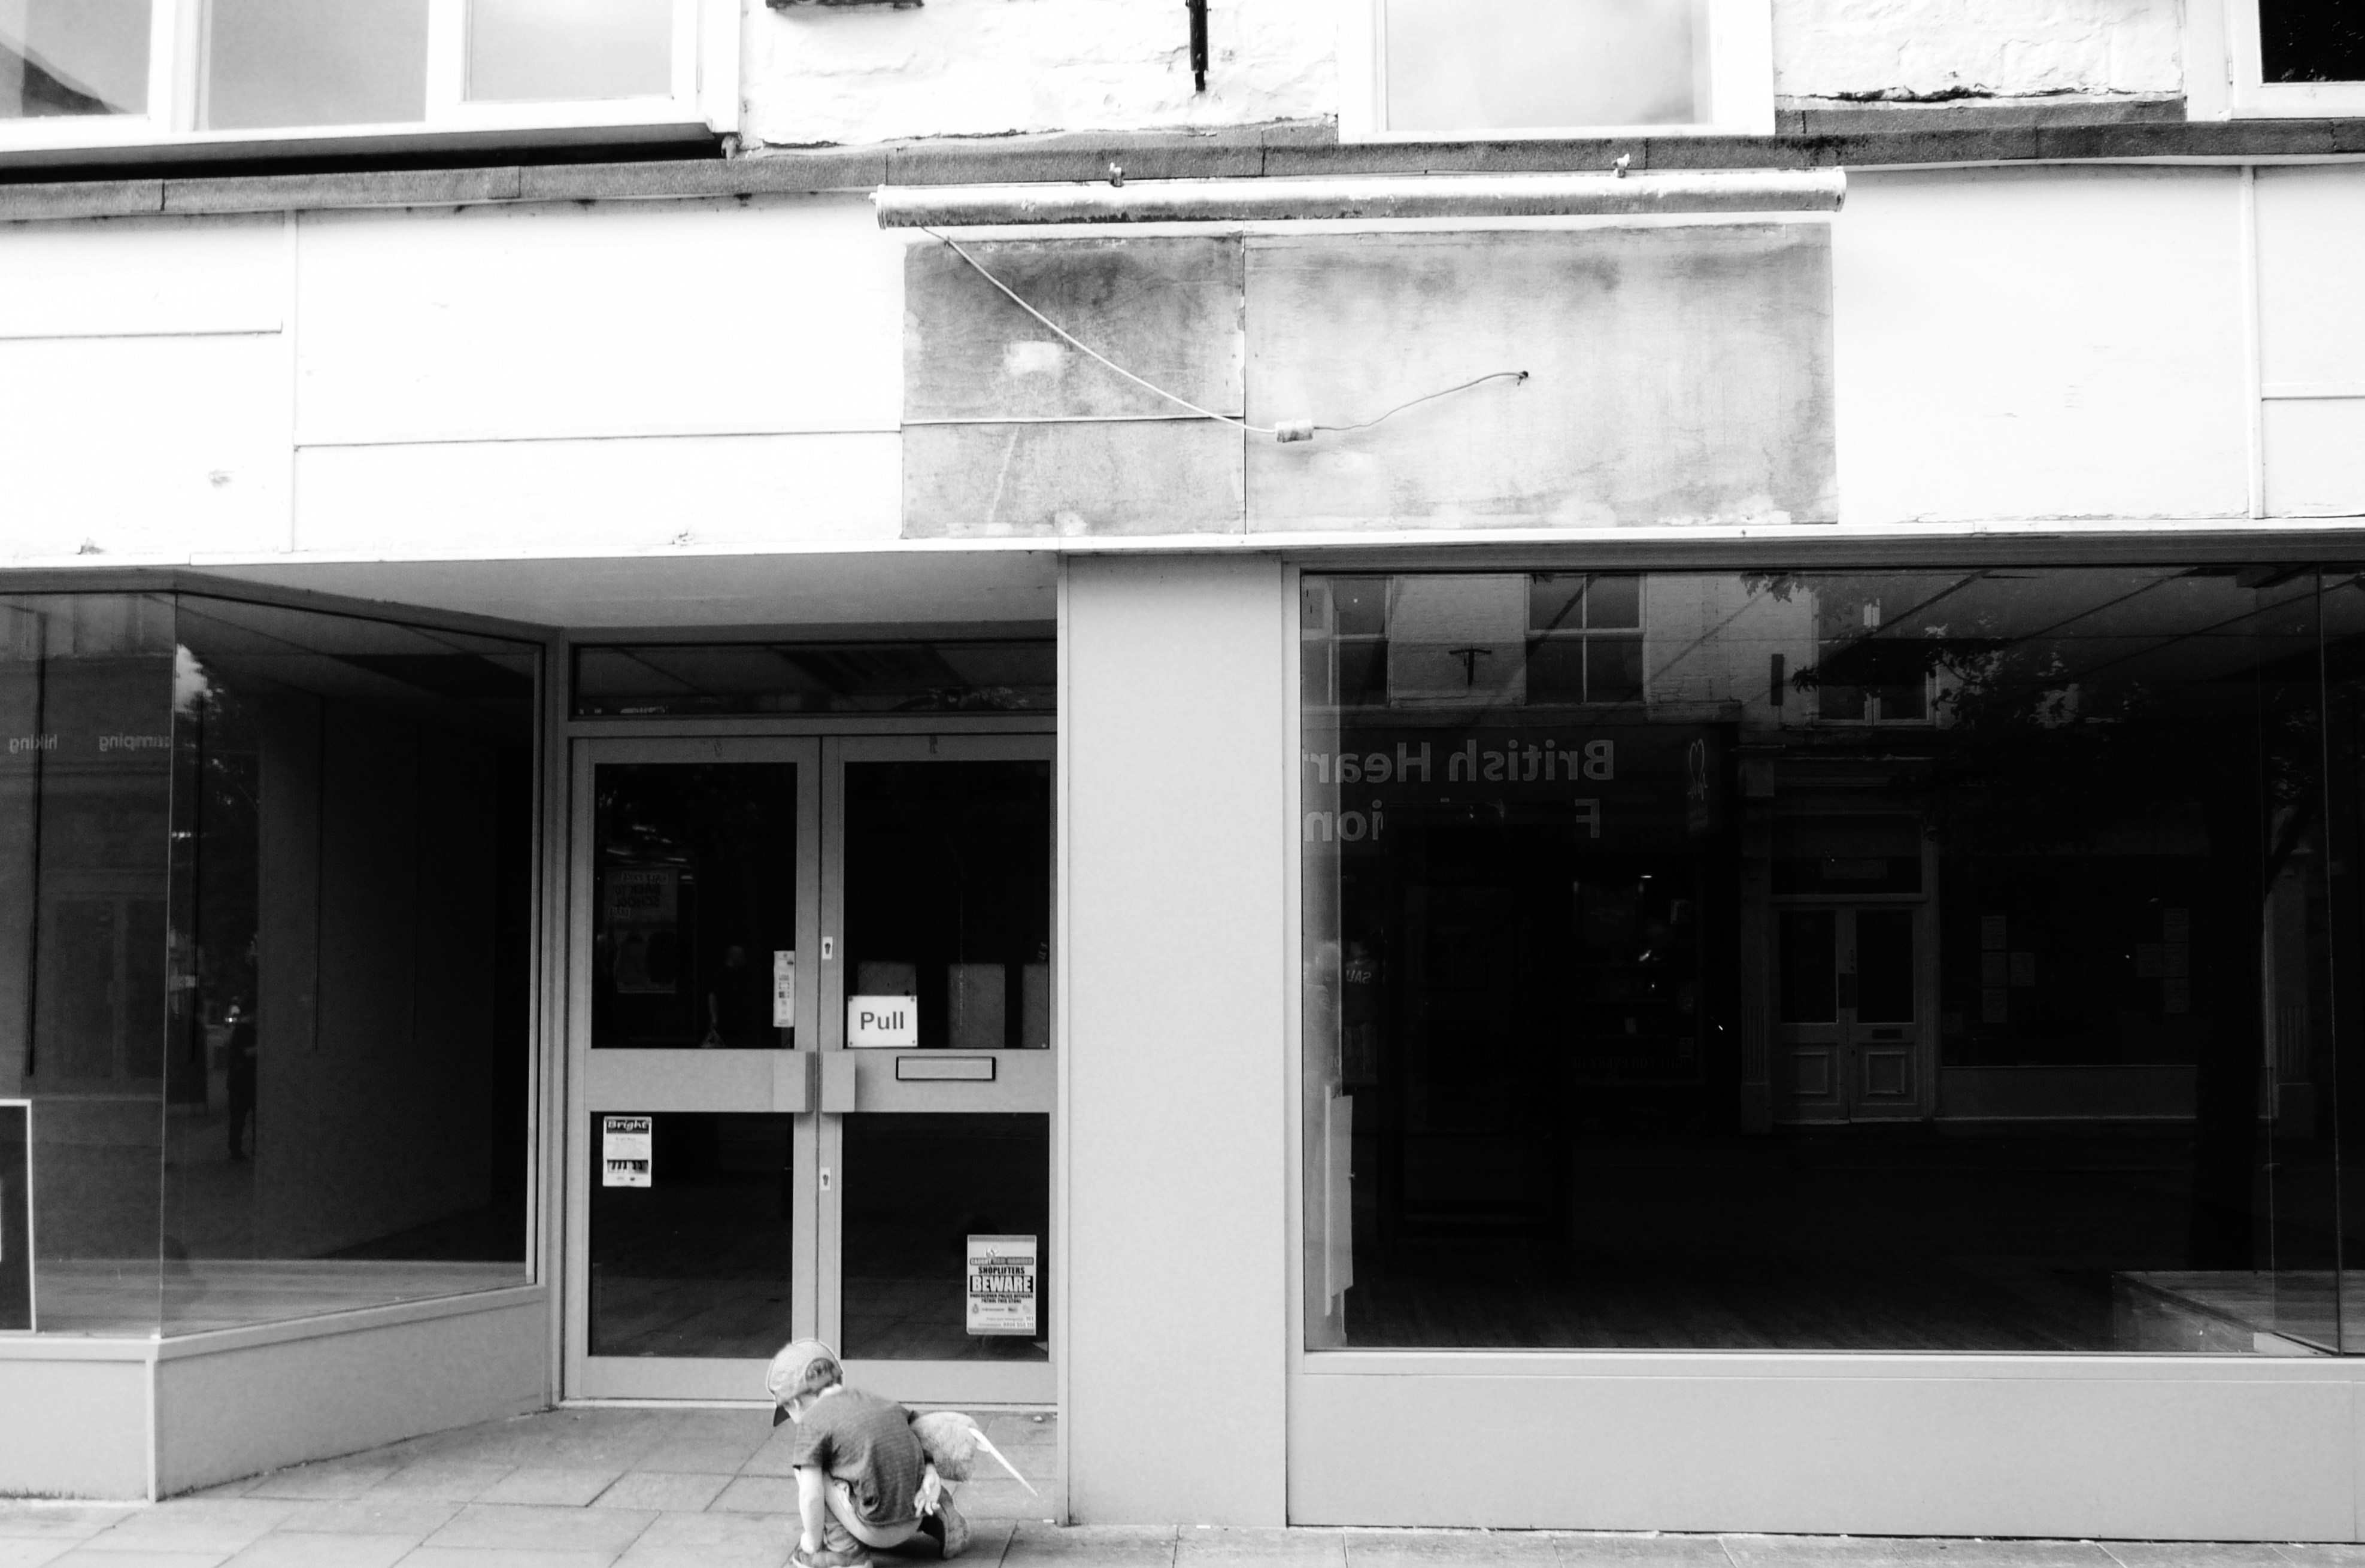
{"points": [[696, 1262], [85, 790], [916, 1189], [1979, 982], [694, 906], [525, 51], [72, 57], [650, 679], [1466, 66], [345, 1051], [948, 897], [2309, 40], [299, 62]]}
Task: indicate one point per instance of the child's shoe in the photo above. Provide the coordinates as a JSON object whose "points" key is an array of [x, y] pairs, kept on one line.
{"points": [[827, 1558]]}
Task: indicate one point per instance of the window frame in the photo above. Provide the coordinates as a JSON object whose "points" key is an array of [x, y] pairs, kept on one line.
{"points": [[2225, 72], [1741, 71], [702, 97]]}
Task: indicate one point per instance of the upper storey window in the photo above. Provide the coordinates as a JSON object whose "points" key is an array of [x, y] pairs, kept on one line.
{"points": [[2294, 58], [134, 77], [1441, 67]]}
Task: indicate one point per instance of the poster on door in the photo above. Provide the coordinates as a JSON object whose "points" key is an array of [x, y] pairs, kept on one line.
{"points": [[644, 926], [625, 1151], [16, 1216], [1001, 1279], [784, 988]]}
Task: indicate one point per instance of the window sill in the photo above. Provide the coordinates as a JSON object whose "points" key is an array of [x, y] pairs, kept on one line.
{"points": [[139, 145]]}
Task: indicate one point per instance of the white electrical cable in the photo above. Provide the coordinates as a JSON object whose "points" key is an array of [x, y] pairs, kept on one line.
{"points": [[1297, 430]]}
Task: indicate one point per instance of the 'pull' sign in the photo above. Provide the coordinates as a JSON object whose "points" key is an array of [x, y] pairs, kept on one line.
{"points": [[883, 1022]]}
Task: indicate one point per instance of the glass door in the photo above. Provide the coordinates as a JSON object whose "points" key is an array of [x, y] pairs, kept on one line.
{"points": [[694, 925], [937, 1080], [813, 1083]]}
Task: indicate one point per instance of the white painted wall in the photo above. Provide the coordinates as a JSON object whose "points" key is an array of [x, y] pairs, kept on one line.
{"points": [[1174, 704], [649, 378], [819, 73], [2147, 1447], [2041, 343], [856, 74], [1918, 49]]}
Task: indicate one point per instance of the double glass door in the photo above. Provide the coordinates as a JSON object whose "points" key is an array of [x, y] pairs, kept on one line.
{"points": [[1852, 1016], [812, 1077]]}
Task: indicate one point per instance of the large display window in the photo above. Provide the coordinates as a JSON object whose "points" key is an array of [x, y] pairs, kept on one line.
{"points": [[265, 957], [1906, 960]]}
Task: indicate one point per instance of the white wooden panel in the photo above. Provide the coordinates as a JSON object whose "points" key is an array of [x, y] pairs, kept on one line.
{"points": [[1171, 706], [142, 446], [544, 497], [76, 1428], [252, 1407], [1962, 1445], [2040, 343], [141, 275], [664, 317], [2315, 457], [2311, 311]]}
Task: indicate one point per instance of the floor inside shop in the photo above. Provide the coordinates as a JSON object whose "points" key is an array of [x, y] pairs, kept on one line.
{"points": [[1902, 1238]]}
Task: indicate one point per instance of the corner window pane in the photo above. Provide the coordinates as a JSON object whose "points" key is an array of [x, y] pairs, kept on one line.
{"points": [[1467, 65], [297, 63], [72, 57], [539, 51], [2311, 40], [2053, 951]]}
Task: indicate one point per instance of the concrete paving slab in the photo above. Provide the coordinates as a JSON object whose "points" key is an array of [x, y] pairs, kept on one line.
{"points": [[704, 1458], [442, 1482], [217, 1525], [25, 1551], [59, 1521], [715, 1540], [503, 1557], [670, 1492], [1102, 1546], [757, 1495], [1225, 1548], [2333, 1554], [1590, 1551], [1891, 1551], [283, 1548], [2193, 1554], [1407, 1549], [543, 1528], [565, 1487], [417, 1517], [85, 1556], [309, 1483]]}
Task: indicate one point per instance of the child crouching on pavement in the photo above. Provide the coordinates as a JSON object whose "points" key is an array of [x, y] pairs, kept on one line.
{"points": [[863, 1479]]}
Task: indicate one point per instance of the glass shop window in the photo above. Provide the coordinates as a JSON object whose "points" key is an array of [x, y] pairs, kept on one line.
{"points": [[657, 681], [264, 958], [2308, 41], [2010, 1012], [1495, 67]]}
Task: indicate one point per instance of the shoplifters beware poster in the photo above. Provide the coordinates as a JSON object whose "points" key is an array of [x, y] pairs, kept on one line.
{"points": [[1001, 1277]]}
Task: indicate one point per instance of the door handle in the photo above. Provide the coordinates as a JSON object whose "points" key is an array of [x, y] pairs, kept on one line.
{"points": [[837, 1080]]}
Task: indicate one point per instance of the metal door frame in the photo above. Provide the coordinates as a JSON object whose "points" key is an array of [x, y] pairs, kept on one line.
{"points": [[684, 1080], [1024, 1080], [681, 1081]]}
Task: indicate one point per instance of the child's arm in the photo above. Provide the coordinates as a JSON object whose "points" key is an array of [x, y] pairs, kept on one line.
{"points": [[813, 1504]]}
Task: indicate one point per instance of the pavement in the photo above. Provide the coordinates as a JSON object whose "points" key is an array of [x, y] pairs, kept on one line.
{"points": [[650, 1488]]}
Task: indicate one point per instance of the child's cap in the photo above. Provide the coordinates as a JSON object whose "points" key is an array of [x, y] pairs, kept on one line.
{"points": [[788, 1370]]}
